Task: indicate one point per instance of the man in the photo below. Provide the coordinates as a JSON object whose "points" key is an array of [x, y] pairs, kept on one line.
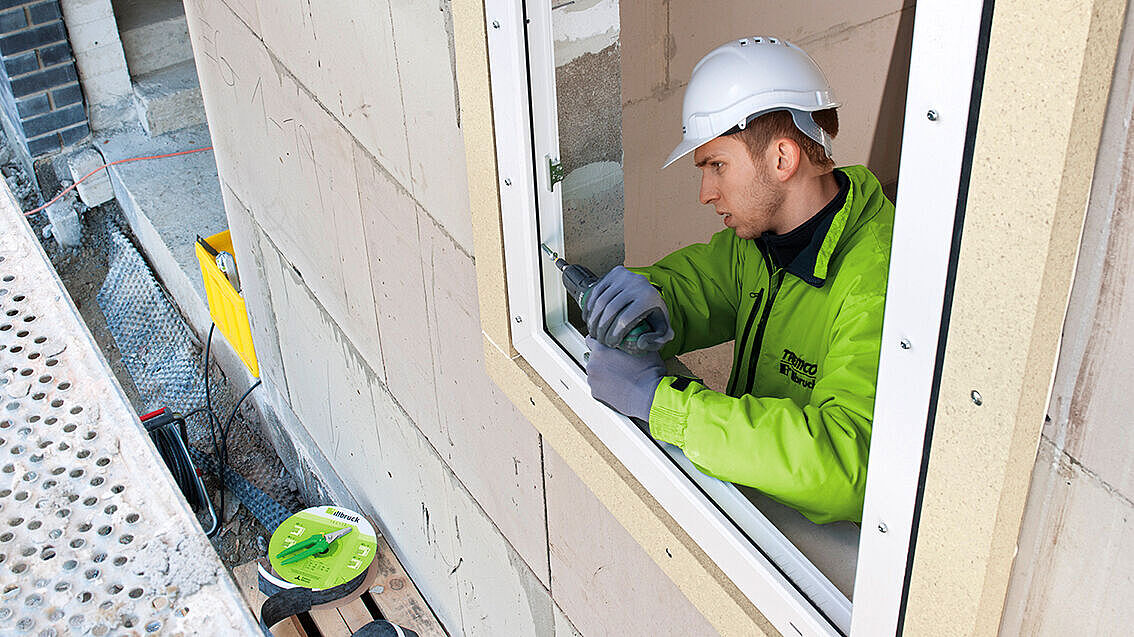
{"points": [[797, 278]]}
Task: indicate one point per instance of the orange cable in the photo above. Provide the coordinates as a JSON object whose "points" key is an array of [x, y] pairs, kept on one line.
{"points": [[119, 161]]}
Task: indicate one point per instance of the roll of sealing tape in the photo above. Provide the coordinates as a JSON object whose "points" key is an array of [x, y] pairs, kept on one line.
{"points": [[347, 558]]}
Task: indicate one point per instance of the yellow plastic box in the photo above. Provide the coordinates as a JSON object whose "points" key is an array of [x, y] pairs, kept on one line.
{"points": [[225, 304]]}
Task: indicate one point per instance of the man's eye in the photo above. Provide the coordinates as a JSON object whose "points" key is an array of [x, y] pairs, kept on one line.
{"points": [[717, 166]]}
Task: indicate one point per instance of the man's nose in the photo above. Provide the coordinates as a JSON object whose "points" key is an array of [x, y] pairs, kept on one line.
{"points": [[709, 192]]}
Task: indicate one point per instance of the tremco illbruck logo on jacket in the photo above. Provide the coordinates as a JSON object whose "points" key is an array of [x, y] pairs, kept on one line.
{"points": [[798, 370]]}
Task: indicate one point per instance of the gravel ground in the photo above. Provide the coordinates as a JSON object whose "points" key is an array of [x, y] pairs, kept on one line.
{"points": [[83, 269]]}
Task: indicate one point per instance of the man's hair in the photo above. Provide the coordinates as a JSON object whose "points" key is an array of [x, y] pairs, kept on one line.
{"points": [[761, 131]]}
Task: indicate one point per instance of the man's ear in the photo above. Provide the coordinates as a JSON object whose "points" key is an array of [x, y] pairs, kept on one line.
{"points": [[786, 158]]}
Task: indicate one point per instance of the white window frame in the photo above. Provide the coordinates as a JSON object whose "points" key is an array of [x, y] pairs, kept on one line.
{"points": [[944, 56]]}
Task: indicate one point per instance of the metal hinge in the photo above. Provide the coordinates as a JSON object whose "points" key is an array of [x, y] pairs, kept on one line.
{"points": [[555, 172]]}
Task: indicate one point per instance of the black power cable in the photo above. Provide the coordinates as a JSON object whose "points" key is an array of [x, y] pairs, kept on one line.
{"points": [[220, 449], [167, 431]]}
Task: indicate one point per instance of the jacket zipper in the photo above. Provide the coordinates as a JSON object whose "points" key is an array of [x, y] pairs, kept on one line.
{"points": [[760, 330], [744, 336], [775, 280]]}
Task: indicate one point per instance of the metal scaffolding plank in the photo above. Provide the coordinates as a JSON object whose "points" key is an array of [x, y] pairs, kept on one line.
{"points": [[95, 537]]}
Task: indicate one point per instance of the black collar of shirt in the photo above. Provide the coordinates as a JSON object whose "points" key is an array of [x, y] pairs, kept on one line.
{"points": [[799, 248]]}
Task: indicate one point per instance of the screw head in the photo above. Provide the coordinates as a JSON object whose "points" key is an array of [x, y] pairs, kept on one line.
{"points": [[507, 182], [931, 115], [519, 319], [882, 528], [977, 399], [905, 343], [495, 24]]}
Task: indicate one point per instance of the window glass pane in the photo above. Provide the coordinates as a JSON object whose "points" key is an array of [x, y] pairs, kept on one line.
{"points": [[588, 80]]}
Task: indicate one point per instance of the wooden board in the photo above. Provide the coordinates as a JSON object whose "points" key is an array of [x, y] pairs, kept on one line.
{"points": [[356, 614], [247, 582], [392, 593], [399, 600]]}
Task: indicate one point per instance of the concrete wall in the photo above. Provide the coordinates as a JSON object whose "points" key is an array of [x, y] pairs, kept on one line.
{"points": [[339, 148], [1076, 545], [93, 32]]}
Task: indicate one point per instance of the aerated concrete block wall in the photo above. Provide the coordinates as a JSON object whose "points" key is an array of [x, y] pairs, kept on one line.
{"points": [[39, 90], [340, 152]]}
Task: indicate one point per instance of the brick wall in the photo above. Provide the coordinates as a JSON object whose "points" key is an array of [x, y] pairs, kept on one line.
{"points": [[40, 91]]}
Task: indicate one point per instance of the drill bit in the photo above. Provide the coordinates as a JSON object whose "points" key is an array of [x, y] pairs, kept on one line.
{"points": [[554, 256]]}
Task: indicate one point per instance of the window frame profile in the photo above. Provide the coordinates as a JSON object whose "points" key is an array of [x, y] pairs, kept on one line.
{"points": [[753, 554]]}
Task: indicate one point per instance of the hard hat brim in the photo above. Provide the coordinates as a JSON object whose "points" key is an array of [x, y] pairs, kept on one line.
{"points": [[684, 148]]}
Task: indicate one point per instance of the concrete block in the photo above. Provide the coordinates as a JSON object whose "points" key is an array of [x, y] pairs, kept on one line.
{"points": [[1076, 552], [169, 99], [491, 447], [110, 114], [499, 593], [330, 67], [402, 480], [66, 227], [465, 567], [241, 99], [563, 625], [154, 46], [601, 577], [285, 156], [106, 88], [96, 189], [317, 361], [255, 262], [425, 64], [105, 58], [390, 225], [79, 12], [89, 35], [248, 11]]}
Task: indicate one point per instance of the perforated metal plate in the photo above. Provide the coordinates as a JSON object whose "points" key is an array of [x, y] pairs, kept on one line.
{"points": [[94, 536]]}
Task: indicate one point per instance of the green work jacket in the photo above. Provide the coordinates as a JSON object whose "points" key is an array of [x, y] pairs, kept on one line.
{"points": [[795, 420]]}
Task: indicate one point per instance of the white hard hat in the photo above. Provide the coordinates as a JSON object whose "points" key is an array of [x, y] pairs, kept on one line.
{"points": [[743, 79]]}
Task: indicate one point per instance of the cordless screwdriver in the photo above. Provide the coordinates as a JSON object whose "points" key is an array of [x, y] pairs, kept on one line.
{"points": [[579, 282]]}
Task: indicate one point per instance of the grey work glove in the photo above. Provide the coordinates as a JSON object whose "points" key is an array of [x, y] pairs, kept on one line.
{"points": [[619, 302], [623, 382]]}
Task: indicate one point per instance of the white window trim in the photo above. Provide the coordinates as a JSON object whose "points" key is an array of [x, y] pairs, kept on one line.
{"points": [[941, 76]]}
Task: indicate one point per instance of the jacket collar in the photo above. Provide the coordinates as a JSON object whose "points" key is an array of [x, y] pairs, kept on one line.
{"points": [[809, 242]]}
